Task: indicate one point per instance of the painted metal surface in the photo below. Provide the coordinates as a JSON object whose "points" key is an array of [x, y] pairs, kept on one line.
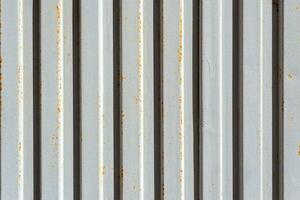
{"points": [[97, 108], [291, 153], [217, 99], [105, 68], [177, 100], [56, 100], [16, 100], [257, 99], [137, 120]]}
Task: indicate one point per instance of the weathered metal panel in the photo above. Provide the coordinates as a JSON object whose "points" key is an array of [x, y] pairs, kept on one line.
{"points": [[137, 120], [97, 136], [177, 100], [100, 99], [16, 100], [56, 100], [217, 99]]}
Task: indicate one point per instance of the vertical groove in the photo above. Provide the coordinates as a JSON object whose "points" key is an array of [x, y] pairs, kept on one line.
{"points": [[237, 99], [240, 109], [157, 34], [280, 74], [77, 100], [200, 108], [118, 173], [276, 100], [37, 99], [196, 99]]}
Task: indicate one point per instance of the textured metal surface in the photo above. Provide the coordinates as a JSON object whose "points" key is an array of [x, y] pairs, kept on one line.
{"points": [[144, 100]]}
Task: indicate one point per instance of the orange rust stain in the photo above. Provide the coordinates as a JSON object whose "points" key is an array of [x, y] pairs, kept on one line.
{"points": [[123, 78], [101, 171], [180, 48], [18, 179], [19, 147], [58, 109], [1, 73], [180, 176], [137, 100], [58, 11]]}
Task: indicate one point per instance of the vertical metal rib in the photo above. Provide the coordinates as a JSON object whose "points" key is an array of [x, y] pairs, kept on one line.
{"points": [[16, 101], [217, 99], [97, 99], [177, 100], [257, 99], [137, 100], [57, 99]]}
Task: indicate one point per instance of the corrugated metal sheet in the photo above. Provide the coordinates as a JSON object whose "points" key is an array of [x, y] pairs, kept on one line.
{"points": [[161, 99]]}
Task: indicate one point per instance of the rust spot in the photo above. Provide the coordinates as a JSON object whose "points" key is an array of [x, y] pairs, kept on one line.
{"points": [[101, 171], [18, 179], [137, 100], [19, 147], [299, 150], [123, 78]]}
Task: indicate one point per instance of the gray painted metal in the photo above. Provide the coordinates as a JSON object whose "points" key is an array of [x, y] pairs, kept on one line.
{"points": [[97, 100], [291, 116], [16, 100], [217, 100], [125, 152], [137, 100], [257, 99], [177, 100], [56, 100]]}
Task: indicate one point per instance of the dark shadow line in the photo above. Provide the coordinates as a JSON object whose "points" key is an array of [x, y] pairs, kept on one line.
{"points": [[36, 39], [76, 100], [237, 103], [117, 99], [157, 52], [196, 98]]}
